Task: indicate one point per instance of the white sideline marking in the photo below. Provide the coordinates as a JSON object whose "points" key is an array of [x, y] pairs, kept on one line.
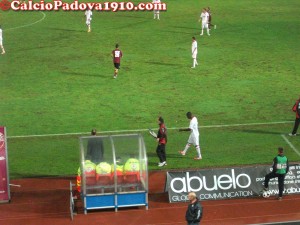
{"points": [[244, 124], [139, 130], [290, 144], [29, 24]]}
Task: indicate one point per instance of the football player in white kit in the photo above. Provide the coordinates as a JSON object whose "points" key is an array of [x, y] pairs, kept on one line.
{"points": [[204, 18], [194, 136], [194, 52], [156, 12], [1, 44], [88, 16]]}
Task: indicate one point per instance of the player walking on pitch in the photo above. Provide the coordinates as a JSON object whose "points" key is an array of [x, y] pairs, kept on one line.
{"points": [[156, 12], [88, 16], [194, 136], [204, 17], [117, 55], [162, 141], [1, 44], [296, 109], [209, 19], [194, 52]]}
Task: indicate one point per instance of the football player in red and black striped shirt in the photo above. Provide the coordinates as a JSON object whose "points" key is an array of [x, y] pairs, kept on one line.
{"points": [[117, 55], [162, 141], [296, 109], [209, 19]]}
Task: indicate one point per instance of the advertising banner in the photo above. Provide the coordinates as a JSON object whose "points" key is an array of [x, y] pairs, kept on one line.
{"points": [[4, 179], [226, 183]]}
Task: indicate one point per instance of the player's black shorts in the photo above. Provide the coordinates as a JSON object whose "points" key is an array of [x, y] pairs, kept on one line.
{"points": [[117, 65]]}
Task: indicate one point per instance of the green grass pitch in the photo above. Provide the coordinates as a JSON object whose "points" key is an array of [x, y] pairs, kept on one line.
{"points": [[56, 78]]}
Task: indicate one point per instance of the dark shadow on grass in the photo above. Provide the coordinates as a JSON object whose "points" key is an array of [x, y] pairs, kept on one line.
{"points": [[162, 64], [151, 154], [87, 75], [35, 48], [169, 155], [261, 132], [133, 24], [67, 30], [153, 163], [132, 15], [179, 32], [191, 28], [175, 156], [15, 176]]}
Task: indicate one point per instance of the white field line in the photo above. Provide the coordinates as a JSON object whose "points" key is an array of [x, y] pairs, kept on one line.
{"points": [[27, 25], [140, 130], [290, 144]]}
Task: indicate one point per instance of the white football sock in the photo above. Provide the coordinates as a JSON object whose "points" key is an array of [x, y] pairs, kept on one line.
{"points": [[186, 148], [198, 151]]}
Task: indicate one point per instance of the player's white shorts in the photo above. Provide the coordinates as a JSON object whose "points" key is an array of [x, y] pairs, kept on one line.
{"points": [[193, 139], [88, 21], [1, 41], [194, 55], [204, 25]]}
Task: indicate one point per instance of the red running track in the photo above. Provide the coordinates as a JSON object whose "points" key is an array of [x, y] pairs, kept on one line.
{"points": [[45, 201]]}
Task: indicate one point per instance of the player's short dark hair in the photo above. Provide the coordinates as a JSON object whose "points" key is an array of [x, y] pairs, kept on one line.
{"points": [[160, 119], [94, 131], [280, 149], [189, 115], [117, 45], [193, 38]]}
